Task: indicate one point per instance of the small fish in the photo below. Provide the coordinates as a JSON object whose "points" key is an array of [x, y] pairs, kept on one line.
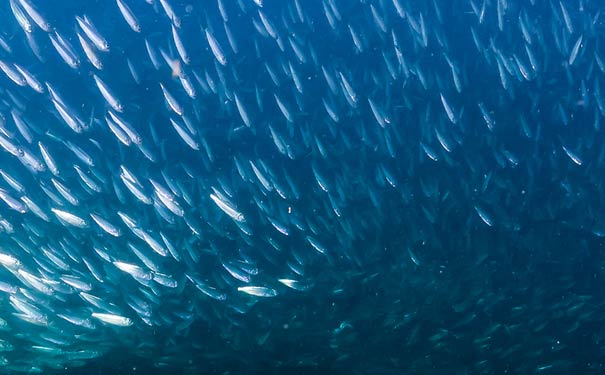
{"points": [[108, 94], [216, 48], [227, 208], [92, 33], [575, 51], [65, 50], [448, 110], [258, 291], [113, 319], [171, 100], [22, 19], [106, 225], [572, 155], [35, 14], [70, 218], [129, 16]]}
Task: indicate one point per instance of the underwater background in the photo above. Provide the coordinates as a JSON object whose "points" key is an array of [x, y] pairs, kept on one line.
{"points": [[302, 186]]}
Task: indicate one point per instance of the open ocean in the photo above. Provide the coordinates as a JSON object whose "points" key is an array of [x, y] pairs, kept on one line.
{"points": [[302, 187]]}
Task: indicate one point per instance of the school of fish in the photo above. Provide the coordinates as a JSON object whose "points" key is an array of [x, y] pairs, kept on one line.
{"points": [[231, 186]]}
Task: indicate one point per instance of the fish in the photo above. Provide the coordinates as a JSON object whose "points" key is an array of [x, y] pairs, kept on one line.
{"points": [[112, 319], [216, 48], [130, 17], [376, 186], [258, 291], [39, 18], [108, 94], [70, 218], [92, 33]]}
